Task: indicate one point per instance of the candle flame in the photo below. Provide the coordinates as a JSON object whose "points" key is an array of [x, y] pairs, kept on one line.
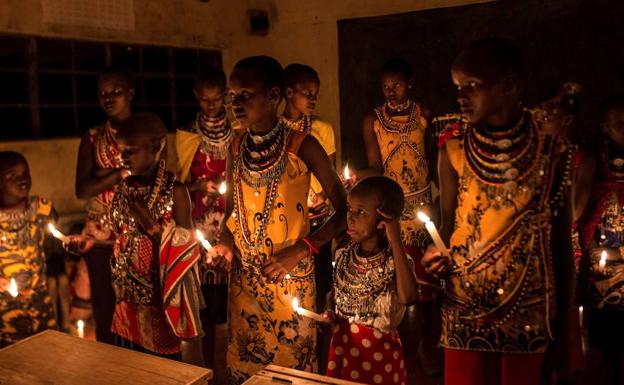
{"points": [[54, 231], [13, 288], [346, 173], [200, 237], [287, 276], [423, 217], [80, 324], [295, 304], [603, 258], [222, 188]]}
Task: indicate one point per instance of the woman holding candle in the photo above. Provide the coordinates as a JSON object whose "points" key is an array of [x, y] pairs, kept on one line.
{"points": [[202, 148], [507, 217], [25, 306], [602, 229], [269, 178], [374, 281], [99, 169]]}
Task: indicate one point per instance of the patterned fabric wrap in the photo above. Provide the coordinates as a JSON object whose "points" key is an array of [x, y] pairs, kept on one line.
{"points": [[500, 294], [22, 257], [366, 355], [401, 141], [263, 327]]}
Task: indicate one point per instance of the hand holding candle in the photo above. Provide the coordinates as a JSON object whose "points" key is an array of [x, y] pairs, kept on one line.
{"points": [[307, 313], [435, 236]]}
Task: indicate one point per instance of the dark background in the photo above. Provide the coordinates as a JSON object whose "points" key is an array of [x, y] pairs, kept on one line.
{"points": [[562, 40]]}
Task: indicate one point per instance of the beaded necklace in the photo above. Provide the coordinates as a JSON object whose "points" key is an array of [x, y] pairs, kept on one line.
{"points": [[303, 124], [502, 158], [400, 107], [262, 157], [216, 134], [128, 283], [106, 153], [269, 178], [358, 281], [15, 225]]}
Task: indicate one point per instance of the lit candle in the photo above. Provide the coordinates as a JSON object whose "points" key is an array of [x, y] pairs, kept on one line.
{"points": [[346, 173], [430, 226], [602, 264], [307, 313], [204, 242], [222, 188], [287, 276], [57, 234], [80, 327], [13, 288], [581, 316]]}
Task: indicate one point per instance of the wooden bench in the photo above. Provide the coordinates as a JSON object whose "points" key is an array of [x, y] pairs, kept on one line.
{"points": [[54, 358]]}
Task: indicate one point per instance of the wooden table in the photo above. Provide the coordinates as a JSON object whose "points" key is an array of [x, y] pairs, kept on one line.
{"points": [[54, 358], [277, 375]]}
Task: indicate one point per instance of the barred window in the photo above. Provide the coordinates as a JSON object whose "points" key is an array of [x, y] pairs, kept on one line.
{"points": [[49, 86]]}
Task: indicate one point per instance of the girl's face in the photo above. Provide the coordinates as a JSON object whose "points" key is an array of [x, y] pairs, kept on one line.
{"points": [[139, 154], [115, 97], [362, 217], [251, 102], [613, 126], [303, 97], [210, 100], [15, 183], [395, 87]]}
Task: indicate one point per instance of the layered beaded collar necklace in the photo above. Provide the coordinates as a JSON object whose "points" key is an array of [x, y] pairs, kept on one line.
{"points": [[129, 284], [359, 280], [15, 224], [502, 157], [259, 164], [216, 134], [399, 107], [392, 125], [303, 124]]}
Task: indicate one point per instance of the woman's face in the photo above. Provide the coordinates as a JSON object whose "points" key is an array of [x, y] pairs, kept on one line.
{"points": [[251, 102]]}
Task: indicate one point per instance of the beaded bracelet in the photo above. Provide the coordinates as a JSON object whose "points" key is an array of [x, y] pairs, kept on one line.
{"points": [[311, 248]]}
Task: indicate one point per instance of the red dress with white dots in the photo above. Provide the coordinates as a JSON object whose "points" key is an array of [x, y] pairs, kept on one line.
{"points": [[365, 344]]}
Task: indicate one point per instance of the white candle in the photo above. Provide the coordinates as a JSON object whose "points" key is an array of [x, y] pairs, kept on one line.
{"points": [[602, 264], [204, 242], [307, 313], [57, 234], [346, 173], [80, 327], [222, 188], [13, 288], [430, 226]]}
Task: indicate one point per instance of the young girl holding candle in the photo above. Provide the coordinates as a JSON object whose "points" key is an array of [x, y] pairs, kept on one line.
{"points": [[602, 230], [269, 171], [25, 305], [374, 281]]}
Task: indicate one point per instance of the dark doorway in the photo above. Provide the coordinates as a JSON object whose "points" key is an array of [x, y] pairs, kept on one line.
{"points": [[562, 40]]}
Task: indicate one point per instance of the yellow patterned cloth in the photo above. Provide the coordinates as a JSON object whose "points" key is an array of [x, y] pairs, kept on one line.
{"points": [[401, 141], [22, 233], [263, 327], [500, 296]]}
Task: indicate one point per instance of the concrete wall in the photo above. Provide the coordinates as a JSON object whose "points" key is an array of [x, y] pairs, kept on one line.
{"points": [[303, 31]]}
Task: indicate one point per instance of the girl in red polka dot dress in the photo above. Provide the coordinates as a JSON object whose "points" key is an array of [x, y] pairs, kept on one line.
{"points": [[374, 280]]}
